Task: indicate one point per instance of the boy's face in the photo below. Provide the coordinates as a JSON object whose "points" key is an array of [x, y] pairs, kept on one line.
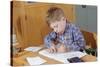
{"points": [[59, 26]]}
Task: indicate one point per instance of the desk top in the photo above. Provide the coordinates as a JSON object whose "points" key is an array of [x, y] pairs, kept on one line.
{"points": [[21, 59]]}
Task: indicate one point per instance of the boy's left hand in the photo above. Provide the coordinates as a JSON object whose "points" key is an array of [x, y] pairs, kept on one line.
{"points": [[52, 49]]}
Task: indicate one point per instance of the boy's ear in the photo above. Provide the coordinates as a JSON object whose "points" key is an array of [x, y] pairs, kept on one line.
{"points": [[48, 23]]}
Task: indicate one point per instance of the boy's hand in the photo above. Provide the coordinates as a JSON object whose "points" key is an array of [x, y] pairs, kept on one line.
{"points": [[52, 49]]}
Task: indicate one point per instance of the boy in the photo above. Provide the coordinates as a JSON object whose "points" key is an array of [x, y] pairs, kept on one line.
{"points": [[65, 36]]}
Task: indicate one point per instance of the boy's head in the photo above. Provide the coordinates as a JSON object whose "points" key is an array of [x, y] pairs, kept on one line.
{"points": [[56, 19]]}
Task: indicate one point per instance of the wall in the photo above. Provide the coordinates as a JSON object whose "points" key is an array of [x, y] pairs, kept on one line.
{"points": [[86, 17]]}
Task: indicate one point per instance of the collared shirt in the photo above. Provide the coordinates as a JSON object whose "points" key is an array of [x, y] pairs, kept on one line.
{"points": [[72, 38]]}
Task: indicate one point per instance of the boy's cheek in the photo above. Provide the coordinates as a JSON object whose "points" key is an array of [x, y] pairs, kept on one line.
{"points": [[55, 30], [59, 30]]}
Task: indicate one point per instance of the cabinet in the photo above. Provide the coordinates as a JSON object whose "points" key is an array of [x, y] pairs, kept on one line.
{"points": [[29, 21]]}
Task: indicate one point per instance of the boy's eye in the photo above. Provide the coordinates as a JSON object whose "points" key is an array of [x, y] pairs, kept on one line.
{"points": [[52, 29]]}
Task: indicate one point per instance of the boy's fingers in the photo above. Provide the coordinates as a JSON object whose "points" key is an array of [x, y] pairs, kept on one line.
{"points": [[54, 49], [51, 50], [48, 50]]}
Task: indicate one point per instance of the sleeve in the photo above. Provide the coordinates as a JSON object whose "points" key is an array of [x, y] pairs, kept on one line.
{"points": [[48, 39], [78, 43]]}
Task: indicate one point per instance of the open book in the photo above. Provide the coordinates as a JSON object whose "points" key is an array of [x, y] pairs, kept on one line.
{"points": [[62, 57], [33, 49]]}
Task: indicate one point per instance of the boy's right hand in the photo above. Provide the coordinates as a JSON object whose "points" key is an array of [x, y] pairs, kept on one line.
{"points": [[52, 49]]}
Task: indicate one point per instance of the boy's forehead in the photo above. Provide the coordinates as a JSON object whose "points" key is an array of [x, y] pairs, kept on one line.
{"points": [[54, 23]]}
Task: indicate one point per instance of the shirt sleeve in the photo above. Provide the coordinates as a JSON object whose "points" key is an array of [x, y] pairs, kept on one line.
{"points": [[48, 39], [78, 39]]}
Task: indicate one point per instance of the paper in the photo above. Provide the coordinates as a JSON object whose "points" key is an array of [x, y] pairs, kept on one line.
{"points": [[33, 49], [35, 60], [62, 57]]}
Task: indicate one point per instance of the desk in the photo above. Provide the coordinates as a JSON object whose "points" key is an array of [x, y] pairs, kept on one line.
{"points": [[21, 60]]}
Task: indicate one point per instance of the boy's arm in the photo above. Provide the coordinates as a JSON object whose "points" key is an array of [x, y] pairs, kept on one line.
{"points": [[48, 40], [78, 39]]}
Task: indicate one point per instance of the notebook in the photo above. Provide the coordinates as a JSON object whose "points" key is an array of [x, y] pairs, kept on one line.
{"points": [[62, 57], [35, 60]]}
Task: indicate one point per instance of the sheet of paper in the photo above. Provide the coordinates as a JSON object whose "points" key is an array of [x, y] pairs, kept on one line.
{"points": [[62, 57], [35, 60], [33, 49]]}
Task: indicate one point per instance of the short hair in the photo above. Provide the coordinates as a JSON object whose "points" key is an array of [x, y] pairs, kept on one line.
{"points": [[54, 14]]}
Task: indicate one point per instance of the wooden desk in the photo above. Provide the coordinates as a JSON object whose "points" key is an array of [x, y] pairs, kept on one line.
{"points": [[21, 60]]}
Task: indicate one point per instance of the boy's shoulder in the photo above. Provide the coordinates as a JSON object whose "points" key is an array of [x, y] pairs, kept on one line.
{"points": [[70, 25]]}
